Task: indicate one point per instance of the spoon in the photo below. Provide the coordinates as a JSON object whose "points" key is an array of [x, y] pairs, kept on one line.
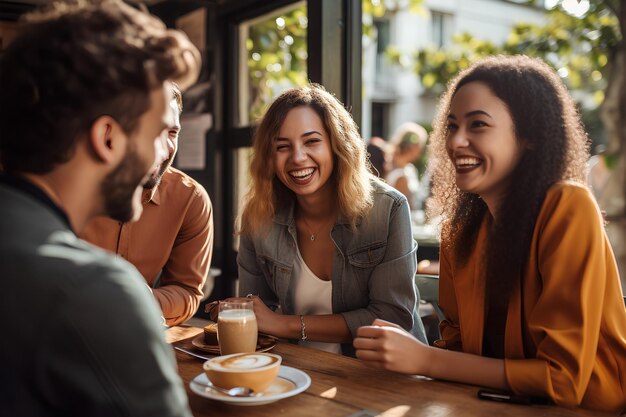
{"points": [[232, 392], [195, 355]]}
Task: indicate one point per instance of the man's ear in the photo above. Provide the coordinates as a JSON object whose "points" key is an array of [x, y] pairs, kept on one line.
{"points": [[107, 139]]}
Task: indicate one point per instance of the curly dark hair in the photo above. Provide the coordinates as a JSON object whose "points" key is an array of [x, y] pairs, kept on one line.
{"points": [[556, 149], [74, 62]]}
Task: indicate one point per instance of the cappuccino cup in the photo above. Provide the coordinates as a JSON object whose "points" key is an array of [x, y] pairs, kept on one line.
{"points": [[252, 370], [236, 327]]}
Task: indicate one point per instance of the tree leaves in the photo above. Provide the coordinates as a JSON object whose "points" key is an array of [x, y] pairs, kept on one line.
{"points": [[577, 47]]}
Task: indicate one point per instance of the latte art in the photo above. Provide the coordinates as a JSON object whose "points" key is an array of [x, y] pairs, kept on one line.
{"points": [[244, 361], [253, 370]]}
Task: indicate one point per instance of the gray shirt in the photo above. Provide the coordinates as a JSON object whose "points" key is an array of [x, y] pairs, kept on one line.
{"points": [[81, 331], [373, 273]]}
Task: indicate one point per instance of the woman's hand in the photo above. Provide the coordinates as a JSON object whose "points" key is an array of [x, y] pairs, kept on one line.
{"points": [[388, 346], [268, 321]]}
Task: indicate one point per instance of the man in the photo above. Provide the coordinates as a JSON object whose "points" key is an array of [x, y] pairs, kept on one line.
{"points": [[172, 241], [84, 101]]}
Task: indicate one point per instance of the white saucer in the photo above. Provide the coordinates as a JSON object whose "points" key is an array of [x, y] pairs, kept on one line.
{"points": [[290, 381]]}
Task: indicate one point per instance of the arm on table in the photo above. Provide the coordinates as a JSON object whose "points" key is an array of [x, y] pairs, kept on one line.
{"points": [[331, 328], [323, 328], [384, 345], [186, 270], [565, 322], [572, 258]]}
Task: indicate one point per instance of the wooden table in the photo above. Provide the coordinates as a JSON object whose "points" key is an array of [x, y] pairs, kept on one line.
{"points": [[341, 386]]}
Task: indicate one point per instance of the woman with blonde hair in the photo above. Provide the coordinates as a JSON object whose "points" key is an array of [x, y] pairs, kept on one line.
{"points": [[325, 246], [407, 145], [528, 281]]}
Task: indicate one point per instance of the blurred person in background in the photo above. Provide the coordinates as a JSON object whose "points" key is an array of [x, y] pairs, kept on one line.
{"points": [[407, 146], [376, 150], [599, 172]]}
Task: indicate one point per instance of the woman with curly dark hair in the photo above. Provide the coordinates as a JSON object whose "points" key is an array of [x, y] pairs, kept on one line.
{"points": [[528, 282]]}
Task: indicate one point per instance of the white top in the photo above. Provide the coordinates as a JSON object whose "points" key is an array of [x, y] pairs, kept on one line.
{"points": [[410, 172], [312, 296]]}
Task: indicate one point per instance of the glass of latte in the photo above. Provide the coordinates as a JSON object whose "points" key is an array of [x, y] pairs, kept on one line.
{"points": [[236, 327]]}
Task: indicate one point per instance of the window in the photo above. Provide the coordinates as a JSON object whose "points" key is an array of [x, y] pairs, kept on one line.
{"points": [[380, 119], [273, 53], [441, 24], [383, 39], [272, 58]]}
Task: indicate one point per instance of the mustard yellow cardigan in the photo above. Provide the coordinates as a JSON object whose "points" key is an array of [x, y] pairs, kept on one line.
{"points": [[565, 335]]}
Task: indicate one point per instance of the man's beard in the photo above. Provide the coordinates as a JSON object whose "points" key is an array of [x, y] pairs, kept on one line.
{"points": [[120, 186], [155, 178]]}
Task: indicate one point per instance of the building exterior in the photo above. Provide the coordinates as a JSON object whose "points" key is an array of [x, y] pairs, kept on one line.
{"points": [[393, 95]]}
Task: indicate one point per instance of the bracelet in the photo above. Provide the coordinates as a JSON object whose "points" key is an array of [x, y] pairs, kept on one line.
{"points": [[302, 329]]}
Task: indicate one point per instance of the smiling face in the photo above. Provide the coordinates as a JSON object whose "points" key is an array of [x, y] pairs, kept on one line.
{"points": [[171, 137], [122, 187], [481, 142], [303, 156]]}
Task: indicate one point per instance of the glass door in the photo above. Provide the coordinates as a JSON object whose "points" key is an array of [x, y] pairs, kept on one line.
{"points": [[272, 58], [269, 55]]}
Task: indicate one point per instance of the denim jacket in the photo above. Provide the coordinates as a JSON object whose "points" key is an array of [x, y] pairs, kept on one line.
{"points": [[373, 267]]}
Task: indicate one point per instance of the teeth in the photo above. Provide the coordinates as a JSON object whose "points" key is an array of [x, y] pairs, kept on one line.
{"points": [[302, 173], [467, 161]]}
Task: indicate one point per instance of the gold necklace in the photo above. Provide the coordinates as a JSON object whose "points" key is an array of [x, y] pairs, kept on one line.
{"points": [[312, 238]]}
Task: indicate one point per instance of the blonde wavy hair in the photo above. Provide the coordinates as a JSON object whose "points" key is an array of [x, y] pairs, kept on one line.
{"points": [[350, 174]]}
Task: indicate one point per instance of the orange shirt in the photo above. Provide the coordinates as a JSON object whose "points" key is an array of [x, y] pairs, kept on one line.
{"points": [[173, 238], [565, 335]]}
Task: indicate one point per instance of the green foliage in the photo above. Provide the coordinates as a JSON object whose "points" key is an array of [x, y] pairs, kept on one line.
{"points": [[578, 47], [610, 160], [277, 54], [378, 8], [436, 66]]}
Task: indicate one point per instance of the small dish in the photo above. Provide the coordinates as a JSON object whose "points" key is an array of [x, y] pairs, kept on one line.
{"points": [[290, 382], [264, 343]]}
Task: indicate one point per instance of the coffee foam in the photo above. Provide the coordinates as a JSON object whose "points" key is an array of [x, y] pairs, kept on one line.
{"points": [[236, 315], [243, 362]]}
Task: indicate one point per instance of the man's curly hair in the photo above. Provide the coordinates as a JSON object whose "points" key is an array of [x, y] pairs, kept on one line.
{"points": [[75, 61]]}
